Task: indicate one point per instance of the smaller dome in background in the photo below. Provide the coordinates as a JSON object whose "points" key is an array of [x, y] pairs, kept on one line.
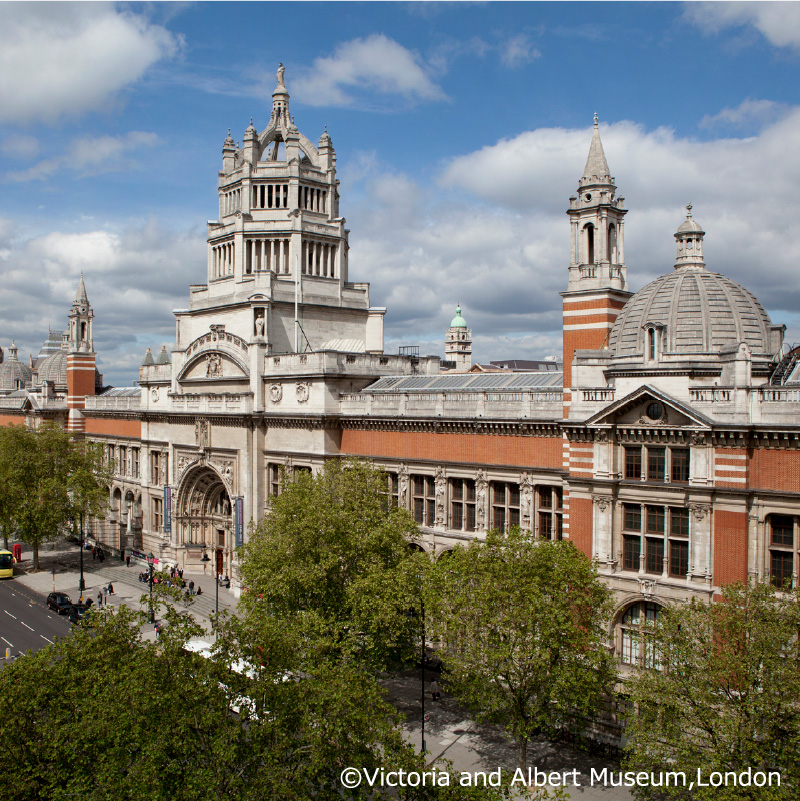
{"points": [[53, 368], [14, 374], [458, 321]]}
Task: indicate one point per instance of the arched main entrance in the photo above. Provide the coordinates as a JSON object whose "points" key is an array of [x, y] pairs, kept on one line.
{"points": [[204, 520]]}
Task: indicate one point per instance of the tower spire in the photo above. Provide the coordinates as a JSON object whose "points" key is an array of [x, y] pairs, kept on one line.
{"points": [[596, 164]]}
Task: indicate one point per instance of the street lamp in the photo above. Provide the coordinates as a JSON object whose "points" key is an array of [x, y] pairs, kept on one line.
{"points": [[129, 527], [150, 560], [82, 585], [205, 560]]}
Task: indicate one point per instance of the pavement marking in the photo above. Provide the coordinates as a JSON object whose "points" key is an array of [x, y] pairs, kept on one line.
{"points": [[9, 614], [45, 638], [7, 642], [25, 624]]}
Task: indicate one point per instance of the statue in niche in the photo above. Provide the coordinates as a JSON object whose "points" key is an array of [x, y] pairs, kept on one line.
{"points": [[213, 366], [202, 433], [259, 323]]}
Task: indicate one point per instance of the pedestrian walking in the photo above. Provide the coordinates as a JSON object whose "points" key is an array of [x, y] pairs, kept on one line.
{"points": [[99, 598], [186, 599], [105, 593], [110, 588], [436, 692], [191, 588], [127, 561], [94, 554]]}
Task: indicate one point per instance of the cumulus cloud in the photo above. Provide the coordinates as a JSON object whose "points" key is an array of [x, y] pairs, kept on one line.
{"points": [[67, 58], [749, 113], [493, 235], [134, 278], [778, 22], [365, 72], [90, 156]]}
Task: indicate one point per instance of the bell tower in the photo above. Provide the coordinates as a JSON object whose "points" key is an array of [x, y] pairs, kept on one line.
{"points": [[80, 359], [597, 285]]}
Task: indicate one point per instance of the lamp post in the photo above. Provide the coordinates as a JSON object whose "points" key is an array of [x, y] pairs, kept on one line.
{"points": [[150, 560], [206, 560], [82, 585], [129, 527]]}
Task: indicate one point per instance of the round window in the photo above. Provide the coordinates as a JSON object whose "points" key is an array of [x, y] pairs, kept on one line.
{"points": [[588, 197], [655, 411]]}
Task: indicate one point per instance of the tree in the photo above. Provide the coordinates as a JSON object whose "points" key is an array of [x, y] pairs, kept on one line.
{"points": [[723, 695], [102, 714], [523, 630], [48, 480], [332, 559]]}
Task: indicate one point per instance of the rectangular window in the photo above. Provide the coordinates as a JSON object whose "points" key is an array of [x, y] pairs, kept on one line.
{"points": [[545, 526], [424, 500], [545, 497], [656, 464], [781, 563], [655, 520], [505, 506], [632, 517], [782, 528], [158, 513], [633, 463], [680, 465], [654, 557], [393, 488], [678, 559], [679, 522], [155, 468], [273, 480], [135, 462], [631, 550]]}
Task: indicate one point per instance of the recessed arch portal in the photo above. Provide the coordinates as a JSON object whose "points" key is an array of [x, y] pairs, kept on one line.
{"points": [[203, 514]]}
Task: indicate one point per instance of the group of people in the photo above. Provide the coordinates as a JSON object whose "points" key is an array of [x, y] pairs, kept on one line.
{"points": [[102, 594]]}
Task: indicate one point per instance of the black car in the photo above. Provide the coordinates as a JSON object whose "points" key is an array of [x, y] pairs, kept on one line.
{"points": [[59, 602], [76, 613]]}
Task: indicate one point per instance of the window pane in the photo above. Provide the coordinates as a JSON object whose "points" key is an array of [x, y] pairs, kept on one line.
{"points": [[633, 463], [545, 497], [458, 490], [781, 568], [656, 464], [545, 525], [654, 560], [470, 517], [655, 520], [782, 530], [678, 558], [633, 517], [499, 518], [631, 548], [456, 516], [679, 522], [470, 490], [680, 464]]}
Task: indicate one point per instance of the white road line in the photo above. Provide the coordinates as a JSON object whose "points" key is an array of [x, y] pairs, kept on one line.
{"points": [[7, 642], [25, 624], [45, 638], [9, 614]]}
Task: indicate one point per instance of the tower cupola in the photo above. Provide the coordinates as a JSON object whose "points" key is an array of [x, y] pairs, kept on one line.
{"points": [[689, 242], [458, 342]]}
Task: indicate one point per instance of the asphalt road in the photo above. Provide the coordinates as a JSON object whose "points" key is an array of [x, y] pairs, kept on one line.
{"points": [[26, 624]]}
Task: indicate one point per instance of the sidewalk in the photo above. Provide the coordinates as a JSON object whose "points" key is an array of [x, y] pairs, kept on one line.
{"points": [[60, 571]]}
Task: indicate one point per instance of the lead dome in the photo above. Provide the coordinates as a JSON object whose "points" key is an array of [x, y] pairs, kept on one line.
{"points": [[694, 310]]}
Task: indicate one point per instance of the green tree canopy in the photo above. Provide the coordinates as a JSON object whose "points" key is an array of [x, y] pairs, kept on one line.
{"points": [[724, 697], [47, 480], [522, 625], [332, 559]]}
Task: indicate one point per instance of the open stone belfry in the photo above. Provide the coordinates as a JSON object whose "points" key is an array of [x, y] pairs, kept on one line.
{"points": [[666, 446]]}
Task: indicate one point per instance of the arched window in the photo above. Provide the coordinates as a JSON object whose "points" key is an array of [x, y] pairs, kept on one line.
{"points": [[612, 243], [589, 228], [637, 627], [651, 344]]}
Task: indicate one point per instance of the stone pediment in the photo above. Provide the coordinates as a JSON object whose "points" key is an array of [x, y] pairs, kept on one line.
{"points": [[213, 365], [650, 407]]}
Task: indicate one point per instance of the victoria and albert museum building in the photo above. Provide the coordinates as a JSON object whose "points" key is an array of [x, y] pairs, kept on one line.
{"points": [[666, 447]]}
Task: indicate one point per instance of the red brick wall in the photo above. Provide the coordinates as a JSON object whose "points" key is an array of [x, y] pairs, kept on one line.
{"points": [[730, 547], [12, 419], [468, 448], [581, 524], [114, 428], [775, 469]]}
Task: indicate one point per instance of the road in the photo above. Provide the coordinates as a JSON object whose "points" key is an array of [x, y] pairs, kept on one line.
{"points": [[26, 624]]}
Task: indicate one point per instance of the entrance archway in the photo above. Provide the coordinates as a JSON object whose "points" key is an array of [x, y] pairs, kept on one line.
{"points": [[204, 519]]}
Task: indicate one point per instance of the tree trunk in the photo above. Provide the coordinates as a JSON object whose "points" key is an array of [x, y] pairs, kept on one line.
{"points": [[523, 754], [36, 555]]}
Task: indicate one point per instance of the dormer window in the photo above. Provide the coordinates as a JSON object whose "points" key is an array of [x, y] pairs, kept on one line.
{"points": [[653, 339]]}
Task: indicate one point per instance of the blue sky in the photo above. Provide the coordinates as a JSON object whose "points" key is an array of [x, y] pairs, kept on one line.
{"points": [[461, 130]]}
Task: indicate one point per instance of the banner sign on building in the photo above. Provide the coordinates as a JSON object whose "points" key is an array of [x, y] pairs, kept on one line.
{"points": [[239, 522], [167, 510]]}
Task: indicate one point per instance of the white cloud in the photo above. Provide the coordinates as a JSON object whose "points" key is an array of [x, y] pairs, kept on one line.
{"points": [[748, 113], [494, 237], [362, 68], [66, 58], [90, 155], [778, 22], [518, 51], [133, 278]]}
